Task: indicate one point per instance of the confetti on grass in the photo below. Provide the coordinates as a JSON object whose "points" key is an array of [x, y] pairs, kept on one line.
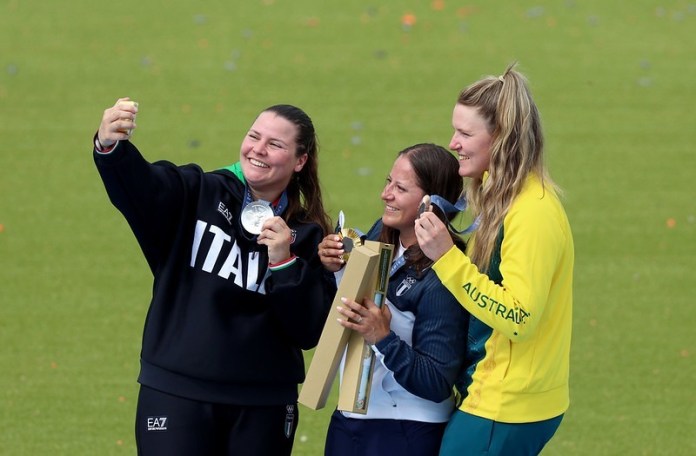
{"points": [[408, 20], [364, 171], [535, 11]]}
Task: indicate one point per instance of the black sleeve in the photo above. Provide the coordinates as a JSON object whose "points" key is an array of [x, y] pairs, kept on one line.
{"points": [[150, 196]]}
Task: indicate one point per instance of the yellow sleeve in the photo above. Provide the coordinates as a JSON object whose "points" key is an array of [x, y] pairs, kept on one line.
{"points": [[533, 241]]}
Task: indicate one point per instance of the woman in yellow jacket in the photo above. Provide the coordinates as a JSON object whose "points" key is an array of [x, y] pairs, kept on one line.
{"points": [[515, 279]]}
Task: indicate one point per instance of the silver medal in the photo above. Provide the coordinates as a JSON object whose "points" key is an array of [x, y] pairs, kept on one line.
{"points": [[254, 214]]}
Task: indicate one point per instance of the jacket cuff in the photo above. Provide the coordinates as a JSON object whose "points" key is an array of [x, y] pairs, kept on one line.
{"points": [[98, 148], [384, 343]]}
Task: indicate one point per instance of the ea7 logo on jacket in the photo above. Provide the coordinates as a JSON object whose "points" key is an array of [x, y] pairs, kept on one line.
{"points": [[157, 423], [225, 212], [244, 271]]}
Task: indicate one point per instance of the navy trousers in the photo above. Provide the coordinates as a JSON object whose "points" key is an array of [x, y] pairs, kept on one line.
{"points": [[356, 437]]}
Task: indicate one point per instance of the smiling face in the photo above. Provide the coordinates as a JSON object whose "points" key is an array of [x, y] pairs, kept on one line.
{"points": [[401, 196], [268, 155], [471, 141]]}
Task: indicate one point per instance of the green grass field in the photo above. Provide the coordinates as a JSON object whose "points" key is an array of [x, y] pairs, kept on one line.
{"points": [[615, 83]]}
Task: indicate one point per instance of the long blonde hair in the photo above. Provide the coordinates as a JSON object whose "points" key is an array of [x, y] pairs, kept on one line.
{"points": [[517, 146]]}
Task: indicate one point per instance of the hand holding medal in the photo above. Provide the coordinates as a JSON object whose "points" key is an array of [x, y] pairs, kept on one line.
{"points": [[432, 233], [276, 235], [259, 218], [335, 249]]}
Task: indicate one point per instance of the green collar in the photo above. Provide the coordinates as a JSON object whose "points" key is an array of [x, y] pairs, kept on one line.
{"points": [[236, 169]]}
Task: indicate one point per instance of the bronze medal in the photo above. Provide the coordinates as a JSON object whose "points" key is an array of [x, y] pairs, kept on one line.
{"points": [[424, 205]]}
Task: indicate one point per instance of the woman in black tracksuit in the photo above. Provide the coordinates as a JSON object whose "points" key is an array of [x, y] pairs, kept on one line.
{"points": [[238, 292]]}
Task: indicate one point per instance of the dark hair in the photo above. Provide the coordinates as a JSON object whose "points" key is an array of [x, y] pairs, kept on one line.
{"points": [[304, 191], [437, 173]]}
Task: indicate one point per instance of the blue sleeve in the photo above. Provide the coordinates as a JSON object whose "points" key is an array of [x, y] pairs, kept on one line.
{"points": [[430, 367]]}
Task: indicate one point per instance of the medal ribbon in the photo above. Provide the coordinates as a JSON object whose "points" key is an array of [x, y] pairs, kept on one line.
{"points": [[396, 265], [277, 210], [449, 208]]}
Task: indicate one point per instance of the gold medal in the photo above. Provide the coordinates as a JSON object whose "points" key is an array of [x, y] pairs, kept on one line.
{"points": [[254, 214], [350, 238]]}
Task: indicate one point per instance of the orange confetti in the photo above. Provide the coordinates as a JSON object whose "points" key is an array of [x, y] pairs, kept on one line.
{"points": [[438, 5], [312, 22], [203, 43], [122, 399], [671, 223], [119, 442], [684, 353], [2, 227], [408, 19], [465, 11], [54, 365]]}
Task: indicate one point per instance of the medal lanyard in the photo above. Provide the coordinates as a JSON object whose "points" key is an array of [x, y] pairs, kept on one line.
{"points": [[277, 209], [399, 261], [449, 208], [397, 264]]}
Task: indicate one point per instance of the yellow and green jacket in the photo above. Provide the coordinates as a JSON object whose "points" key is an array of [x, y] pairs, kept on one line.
{"points": [[518, 352]]}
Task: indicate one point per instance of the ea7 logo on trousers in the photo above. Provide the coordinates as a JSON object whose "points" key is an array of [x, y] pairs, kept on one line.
{"points": [[156, 423]]}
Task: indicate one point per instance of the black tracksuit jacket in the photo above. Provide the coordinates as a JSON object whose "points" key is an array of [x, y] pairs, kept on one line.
{"points": [[220, 327]]}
